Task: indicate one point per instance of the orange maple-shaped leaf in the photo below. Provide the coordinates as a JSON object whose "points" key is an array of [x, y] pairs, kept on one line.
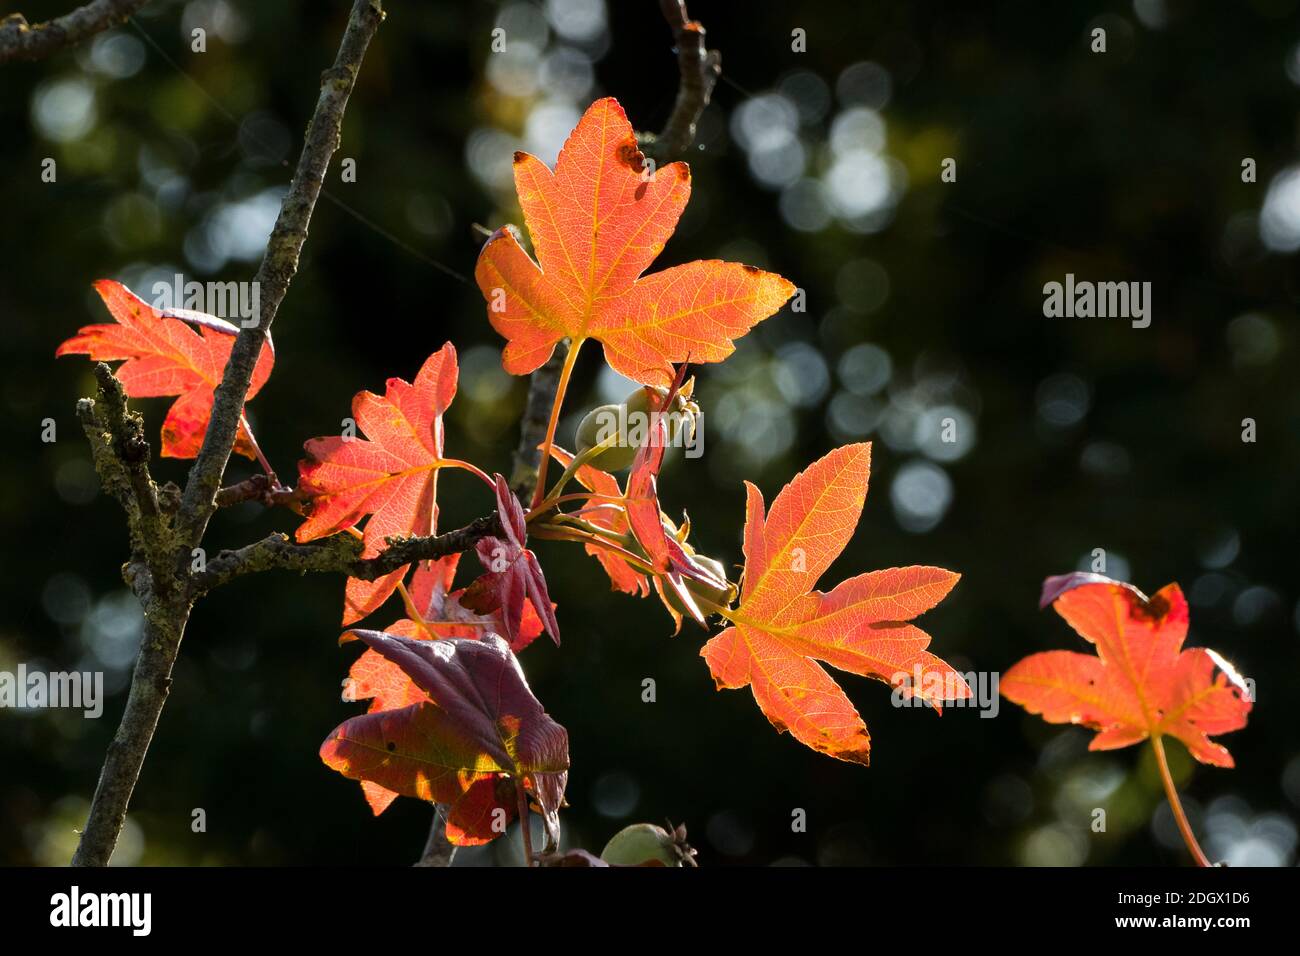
{"points": [[1141, 682], [782, 628], [162, 356], [391, 475], [596, 224]]}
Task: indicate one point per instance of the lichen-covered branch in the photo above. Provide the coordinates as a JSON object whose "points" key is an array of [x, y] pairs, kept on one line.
{"points": [[338, 554], [121, 455], [20, 40], [278, 267], [165, 535], [698, 68], [150, 684]]}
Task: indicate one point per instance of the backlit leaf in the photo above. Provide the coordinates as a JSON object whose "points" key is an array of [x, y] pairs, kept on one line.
{"points": [[479, 735], [597, 223], [166, 356], [782, 628], [1141, 682]]}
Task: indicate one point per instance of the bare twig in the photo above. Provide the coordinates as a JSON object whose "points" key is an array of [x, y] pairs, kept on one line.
{"points": [[262, 489], [699, 69], [20, 40], [168, 594]]}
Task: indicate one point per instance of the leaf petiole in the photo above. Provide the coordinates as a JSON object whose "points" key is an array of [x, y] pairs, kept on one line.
{"points": [[466, 466], [1184, 827], [578, 461], [412, 611], [566, 372], [257, 450]]}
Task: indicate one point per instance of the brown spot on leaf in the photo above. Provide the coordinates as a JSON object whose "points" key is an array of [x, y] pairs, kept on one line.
{"points": [[1154, 609], [630, 155]]}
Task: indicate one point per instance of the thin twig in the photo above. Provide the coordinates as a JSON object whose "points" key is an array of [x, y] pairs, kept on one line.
{"points": [[263, 490], [553, 420], [1184, 827], [338, 554], [20, 40], [278, 267], [698, 69], [167, 600]]}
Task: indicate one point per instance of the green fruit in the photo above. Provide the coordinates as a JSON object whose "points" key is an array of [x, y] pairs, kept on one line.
{"points": [[631, 421], [681, 414], [640, 844], [597, 425]]}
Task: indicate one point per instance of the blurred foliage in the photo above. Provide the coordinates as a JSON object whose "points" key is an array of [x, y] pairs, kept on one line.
{"points": [[923, 302]]}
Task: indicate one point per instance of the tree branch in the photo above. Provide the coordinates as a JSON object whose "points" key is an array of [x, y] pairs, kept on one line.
{"points": [[699, 69], [150, 684], [532, 427], [263, 490], [338, 554], [121, 456], [278, 267], [166, 599], [20, 40]]}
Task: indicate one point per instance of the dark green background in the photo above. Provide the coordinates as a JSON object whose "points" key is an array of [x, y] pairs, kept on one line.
{"points": [[1123, 166]]}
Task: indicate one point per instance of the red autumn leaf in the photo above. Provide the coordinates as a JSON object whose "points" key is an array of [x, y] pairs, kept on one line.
{"points": [[391, 475], [514, 577], [1141, 682], [440, 615], [162, 355], [671, 562], [606, 514], [480, 735], [597, 223], [641, 499], [440, 612], [782, 628]]}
